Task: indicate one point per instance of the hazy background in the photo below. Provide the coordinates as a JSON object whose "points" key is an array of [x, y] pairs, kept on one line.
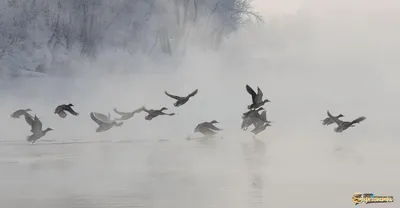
{"points": [[307, 57]]}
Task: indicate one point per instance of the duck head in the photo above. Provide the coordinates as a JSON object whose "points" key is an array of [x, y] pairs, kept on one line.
{"points": [[340, 115], [48, 129], [148, 117], [70, 105], [266, 101], [28, 109], [214, 121], [163, 108]]}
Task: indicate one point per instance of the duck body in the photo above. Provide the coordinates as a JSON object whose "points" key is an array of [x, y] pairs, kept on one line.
{"points": [[20, 112], [257, 98], [181, 100], [62, 109], [343, 125], [154, 113], [37, 130], [104, 122], [127, 115]]}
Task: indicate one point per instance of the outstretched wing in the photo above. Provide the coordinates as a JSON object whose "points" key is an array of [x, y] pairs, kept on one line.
{"points": [[95, 119], [252, 93], [334, 119], [37, 125], [193, 93], [119, 112], [358, 120], [172, 96], [263, 116], [259, 95], [70, 110], [139, 110], [211, 126], [29, 119]]}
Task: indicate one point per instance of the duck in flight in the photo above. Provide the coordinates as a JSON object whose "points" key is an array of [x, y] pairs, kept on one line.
{"points": [[104, 122], [20, 112], [154, 113], [207, 128], [181, 100], [343, 125], [257, 100], [328, 121], [60, 110], [36, 129], [253, 117], [127, 115]]}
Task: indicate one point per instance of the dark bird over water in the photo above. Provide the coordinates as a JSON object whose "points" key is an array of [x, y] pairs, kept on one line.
{"points": [[104, 122], [328, 121], [60, 110], [37, 130], [207, 128], [127, 115], [154, 113], [20, 112], [181, 100], [343, 125], [257, 100]]}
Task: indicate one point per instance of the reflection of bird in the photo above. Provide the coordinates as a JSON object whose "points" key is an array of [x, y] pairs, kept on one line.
{"points": [[256, 98], [37, 130], [181, 100], [104, 122], [127, 115], [60, 110], [328, 121], [343, 125], [207, 128], [20, 112], [154, 113]]}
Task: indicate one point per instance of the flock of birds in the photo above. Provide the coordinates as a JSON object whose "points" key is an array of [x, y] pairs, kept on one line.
{"points": [[208, 129]]}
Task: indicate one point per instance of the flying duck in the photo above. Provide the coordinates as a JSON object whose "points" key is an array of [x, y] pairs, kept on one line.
{"points": [[104, 122], [60, 110], [207, 128], [154, 113], [256, 98], [181, 100], [127, 115], [328, 121], [20, 112], [37, 130], [343, 125]]}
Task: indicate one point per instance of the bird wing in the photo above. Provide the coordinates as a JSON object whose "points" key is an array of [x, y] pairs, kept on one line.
{"points": [[29, 119], [119, 112], [259, 95], [212, 127], [334, 119], [58, 108], [139, 110], [95, 119], [252, 93], [193, 93], [69, 109], [172, 96], [359, 119], [37, 125], [263, 116]]}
